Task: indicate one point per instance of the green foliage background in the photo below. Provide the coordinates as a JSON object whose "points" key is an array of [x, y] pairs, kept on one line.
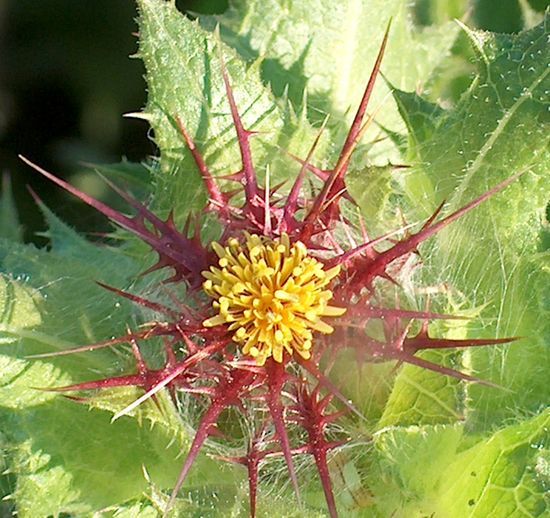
{"points": [[428, 445]]}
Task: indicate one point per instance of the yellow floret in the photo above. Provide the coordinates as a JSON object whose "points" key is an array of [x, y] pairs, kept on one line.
{"points": [[272, 295]]}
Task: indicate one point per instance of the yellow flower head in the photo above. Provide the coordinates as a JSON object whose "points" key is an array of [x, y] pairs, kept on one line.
{"points": [[272, 295]]}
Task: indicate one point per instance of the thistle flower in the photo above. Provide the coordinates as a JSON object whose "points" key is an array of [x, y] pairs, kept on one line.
{"points": [[269, 301]]}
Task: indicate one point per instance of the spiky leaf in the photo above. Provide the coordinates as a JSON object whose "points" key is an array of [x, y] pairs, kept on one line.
{"points": [[493, 257]]}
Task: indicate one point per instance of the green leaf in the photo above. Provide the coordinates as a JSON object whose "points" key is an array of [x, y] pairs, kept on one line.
{"points": [[500, 476], [321, 53], [75, 310], [59, 450], [69, 458], [491, 257], [136, 511], [371, 188], [409, 465], [420, 397], [437, 470], [64, 458], [184, 77], [19, 305], [420, 115], [20, 380]]}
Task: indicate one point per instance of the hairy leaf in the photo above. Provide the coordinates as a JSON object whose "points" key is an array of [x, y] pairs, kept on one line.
{"points": [[319, 53], [501, 475], [492, 256], [183, 63]]}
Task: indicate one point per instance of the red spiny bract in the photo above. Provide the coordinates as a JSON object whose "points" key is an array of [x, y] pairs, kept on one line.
{"points": [[274, 299]]}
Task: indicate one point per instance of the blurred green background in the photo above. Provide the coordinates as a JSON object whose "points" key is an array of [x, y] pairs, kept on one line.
{"points": [[66, 80]]}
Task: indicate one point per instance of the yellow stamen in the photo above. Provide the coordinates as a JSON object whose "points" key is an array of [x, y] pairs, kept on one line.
{"points": [[272, 295]]}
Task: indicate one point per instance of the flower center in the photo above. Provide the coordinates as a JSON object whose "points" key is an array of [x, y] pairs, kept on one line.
{"points": [[272, 295]]}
